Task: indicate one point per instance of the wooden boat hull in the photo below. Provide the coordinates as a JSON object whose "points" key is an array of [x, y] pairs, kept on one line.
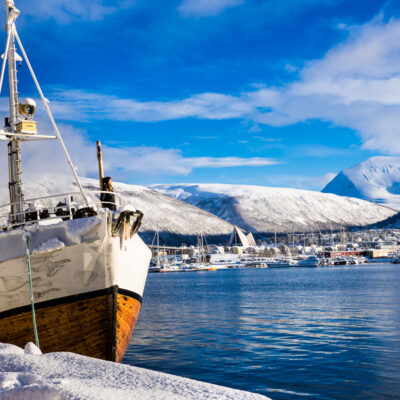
{"points": [[87, 293], [97, 324]]}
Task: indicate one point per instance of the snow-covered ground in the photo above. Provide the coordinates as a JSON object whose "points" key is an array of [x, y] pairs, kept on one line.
{"points": [[376, 179], [29, 375], [264, 209]]}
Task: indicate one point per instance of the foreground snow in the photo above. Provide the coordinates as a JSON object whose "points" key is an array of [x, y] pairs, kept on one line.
{"points": [[29, 375]]}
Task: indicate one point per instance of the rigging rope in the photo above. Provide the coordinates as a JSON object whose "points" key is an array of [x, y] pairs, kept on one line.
{"points": [[28, 259]]}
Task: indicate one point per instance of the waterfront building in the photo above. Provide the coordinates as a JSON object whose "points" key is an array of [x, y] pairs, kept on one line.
{"points": [[240, 239]]}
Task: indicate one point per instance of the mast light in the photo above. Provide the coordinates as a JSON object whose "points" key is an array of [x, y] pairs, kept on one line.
{"points": [[27, 108]]}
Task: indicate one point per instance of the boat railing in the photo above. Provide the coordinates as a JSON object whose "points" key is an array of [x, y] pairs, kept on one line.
{"points": [[54, 207]]}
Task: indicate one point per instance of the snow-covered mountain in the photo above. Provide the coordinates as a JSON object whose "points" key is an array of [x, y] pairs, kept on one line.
{"points": [[189, 210], [376, 179], [265, 209], [161, 212]]}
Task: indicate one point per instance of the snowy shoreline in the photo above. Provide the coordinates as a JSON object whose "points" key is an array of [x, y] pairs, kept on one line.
{"points": [[30, 375]]}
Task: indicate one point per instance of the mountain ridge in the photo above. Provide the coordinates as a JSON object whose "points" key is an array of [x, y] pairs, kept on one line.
{"points": [[266, 209], [161, 213], [181, 212]]}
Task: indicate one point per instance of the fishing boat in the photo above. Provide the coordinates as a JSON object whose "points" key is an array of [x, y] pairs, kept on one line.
{"points": [[73, 270]]}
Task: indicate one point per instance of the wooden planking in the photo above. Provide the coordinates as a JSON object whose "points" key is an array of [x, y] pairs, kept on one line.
{"points": [[127, 314], [83, 327], [99, 326]]}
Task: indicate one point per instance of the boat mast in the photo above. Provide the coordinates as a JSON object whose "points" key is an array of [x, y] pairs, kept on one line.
{"points": [[14, 148], [158, 250]]}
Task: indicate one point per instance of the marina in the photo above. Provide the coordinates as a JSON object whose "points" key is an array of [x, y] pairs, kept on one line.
{"points": [[318, 333], [309, 251]]}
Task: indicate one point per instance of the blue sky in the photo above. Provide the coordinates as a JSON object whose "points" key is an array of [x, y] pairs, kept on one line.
{"points": [[268, 93]]}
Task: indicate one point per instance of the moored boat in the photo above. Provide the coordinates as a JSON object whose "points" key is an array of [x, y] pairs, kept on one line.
{"points": [[72, 270], [395, 259], [283, 263], [311, 261], [340, 261]]}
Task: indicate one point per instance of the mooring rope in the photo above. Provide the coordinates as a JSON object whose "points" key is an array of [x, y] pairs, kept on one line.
{"points": [[28, 258]]}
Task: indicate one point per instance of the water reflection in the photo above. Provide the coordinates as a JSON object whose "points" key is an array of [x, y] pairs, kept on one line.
{"points": [[325, 334]]}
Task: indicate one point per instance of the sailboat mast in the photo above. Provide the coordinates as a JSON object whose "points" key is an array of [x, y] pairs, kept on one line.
{"points": [[14, 148], [158, 249]]}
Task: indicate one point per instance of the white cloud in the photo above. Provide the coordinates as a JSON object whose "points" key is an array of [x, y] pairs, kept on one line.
{"points": [[72, 104], [268, 9], [355, 85], [300, 181], [325, 179], [223, 162], [65, 11], [205, 137], [42, 158], [206, 8], [267, 139], [290, 68], [320, 151]]}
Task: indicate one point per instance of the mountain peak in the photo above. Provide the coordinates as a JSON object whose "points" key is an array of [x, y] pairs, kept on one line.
{"points": [[376, 179]]}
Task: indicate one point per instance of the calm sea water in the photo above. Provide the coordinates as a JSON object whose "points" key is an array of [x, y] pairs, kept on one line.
{"points": [[324, 333]]}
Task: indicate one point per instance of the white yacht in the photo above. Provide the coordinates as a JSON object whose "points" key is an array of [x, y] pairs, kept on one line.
{"points": [[311, 261]]}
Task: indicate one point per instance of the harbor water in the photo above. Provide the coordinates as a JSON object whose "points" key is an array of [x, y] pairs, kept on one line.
{"points": [[295, 333]]}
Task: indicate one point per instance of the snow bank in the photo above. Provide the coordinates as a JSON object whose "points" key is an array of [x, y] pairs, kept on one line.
{"points": [[77, 228], [29, 375], [46, 238], [49, 245]]}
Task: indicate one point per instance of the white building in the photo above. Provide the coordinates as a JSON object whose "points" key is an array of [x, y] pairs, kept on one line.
{"points": [[240, 239]]}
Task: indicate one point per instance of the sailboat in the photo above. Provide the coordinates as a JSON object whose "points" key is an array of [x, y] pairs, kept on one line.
{"points": [[72, 271], [155, 266]]}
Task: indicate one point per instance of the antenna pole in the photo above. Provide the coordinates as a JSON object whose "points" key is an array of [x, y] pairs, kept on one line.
{"points": [[100, 163]]}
